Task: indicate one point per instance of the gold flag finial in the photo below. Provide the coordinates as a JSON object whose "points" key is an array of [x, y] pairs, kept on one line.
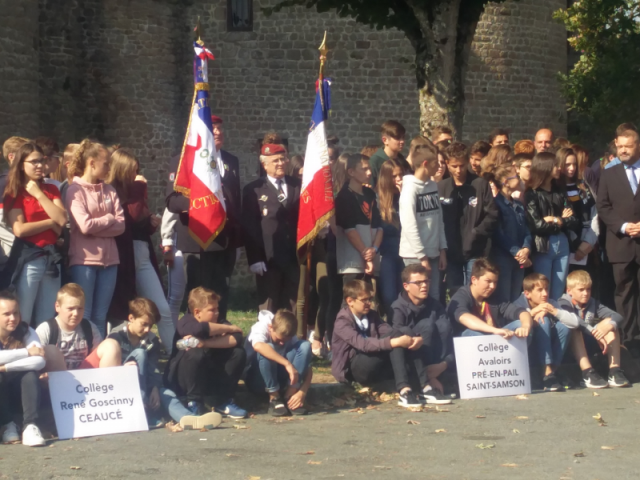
{"points": [[323, 53], [198, 31]]}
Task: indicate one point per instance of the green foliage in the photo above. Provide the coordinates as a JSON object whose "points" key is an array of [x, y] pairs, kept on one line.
{"points": [[602, 87]]}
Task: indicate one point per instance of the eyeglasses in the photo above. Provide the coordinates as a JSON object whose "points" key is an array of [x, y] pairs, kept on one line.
{"points": [[420, 283], [365, 300]]}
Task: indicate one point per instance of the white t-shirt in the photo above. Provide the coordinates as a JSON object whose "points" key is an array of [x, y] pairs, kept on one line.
{"points": [[73, 345], [260, 333]]}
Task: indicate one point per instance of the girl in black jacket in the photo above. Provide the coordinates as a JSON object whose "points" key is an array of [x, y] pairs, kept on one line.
{"points": [[549, 218]]}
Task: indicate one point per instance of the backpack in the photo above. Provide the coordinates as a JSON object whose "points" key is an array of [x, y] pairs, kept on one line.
{"points": [[54, 330]]}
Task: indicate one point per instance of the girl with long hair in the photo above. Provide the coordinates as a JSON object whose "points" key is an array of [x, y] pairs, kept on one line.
{"points": [[391, 264], [511, 241], [550, 219], [138, 273], [583, 203], [21, 357], [96, 219], [35, 213]]}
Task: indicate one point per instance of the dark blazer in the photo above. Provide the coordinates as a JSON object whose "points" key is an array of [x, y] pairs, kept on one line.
{"points": [[616, 206], [231, 235], [270, 227]]}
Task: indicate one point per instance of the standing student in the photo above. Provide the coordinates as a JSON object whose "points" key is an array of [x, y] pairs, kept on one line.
{"points": [[391, 265], [96, 219], [36, 215], [511, 240], [392, 133], [552, 330], [598, 330], [478, 151], [423, 237], [174, 261], [583, 203], [138, 273], [522, 162], [211, 370], [358, 220], [549, 218], [469, 213], [499, 136], [21, 357], [279, 363]]}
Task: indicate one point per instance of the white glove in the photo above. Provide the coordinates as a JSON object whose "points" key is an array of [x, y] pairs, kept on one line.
{"points": [[238, 253], [258, 268]]}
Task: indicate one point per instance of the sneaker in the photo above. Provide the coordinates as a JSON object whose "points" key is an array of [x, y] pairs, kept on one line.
{"points": [[196, 408], [10, 434], [617, 379], [300, 411], [566, 382], [409, 399], [591, 379], [31, 436], [277, 408], [552, 384], [231, 410], [434, 397], [197, 422]]}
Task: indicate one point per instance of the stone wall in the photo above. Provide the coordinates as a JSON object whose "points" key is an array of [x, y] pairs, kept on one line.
{"points": [[511, 79], [121, 71]]}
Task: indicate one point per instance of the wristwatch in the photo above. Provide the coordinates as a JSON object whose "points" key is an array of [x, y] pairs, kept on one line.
{"points": [[555, 220]]}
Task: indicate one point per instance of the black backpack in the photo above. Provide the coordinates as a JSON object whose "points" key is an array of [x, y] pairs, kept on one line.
{"points": [[54, 330]]}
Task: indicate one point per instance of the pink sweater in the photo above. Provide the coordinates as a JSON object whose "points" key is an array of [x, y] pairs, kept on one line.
{"points": [[96, 217]]}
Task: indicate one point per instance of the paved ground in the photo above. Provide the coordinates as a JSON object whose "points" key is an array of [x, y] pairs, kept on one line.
{"points": [[544, 436]]}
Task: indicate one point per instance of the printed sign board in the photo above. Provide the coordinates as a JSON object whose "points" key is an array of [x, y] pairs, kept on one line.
{"points": [[490, 366], [97, 402]]}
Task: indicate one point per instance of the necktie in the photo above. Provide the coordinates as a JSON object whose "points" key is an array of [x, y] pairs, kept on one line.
{"points": [[633, 181], [281, 196]]}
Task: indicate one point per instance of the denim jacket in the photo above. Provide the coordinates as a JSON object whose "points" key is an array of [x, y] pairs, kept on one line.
{"points": [[511, 233]]}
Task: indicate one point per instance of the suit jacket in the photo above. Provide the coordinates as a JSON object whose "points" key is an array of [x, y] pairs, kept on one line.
{"points": [[231, 235], [618, 205], [270, 227]]}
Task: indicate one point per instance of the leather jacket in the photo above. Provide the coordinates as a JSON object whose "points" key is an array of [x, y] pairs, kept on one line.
{"points": [[540, 203]]}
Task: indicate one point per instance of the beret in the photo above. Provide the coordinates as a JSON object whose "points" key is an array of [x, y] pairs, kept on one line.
{"points": [[272, 149], [215, 119]]}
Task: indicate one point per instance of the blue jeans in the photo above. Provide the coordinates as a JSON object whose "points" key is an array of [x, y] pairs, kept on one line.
{"points": [[37, 287], [391, 267], [269, 376], [513, 326], [168, 398], [98, 284], [550, 342], [510, 279], [459, 274], [554, 264]]}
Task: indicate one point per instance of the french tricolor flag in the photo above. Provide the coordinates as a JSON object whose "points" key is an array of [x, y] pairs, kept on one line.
{"points": [[316, 197], [198, 177]]}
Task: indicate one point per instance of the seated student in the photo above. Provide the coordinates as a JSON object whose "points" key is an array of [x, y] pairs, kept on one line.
{"points": [[364, 347], [21, 357], [416, 313], [72, 342], [553, 328], [212, 369], [278, 361], [598, 328], [469, 307], [141, 347]]}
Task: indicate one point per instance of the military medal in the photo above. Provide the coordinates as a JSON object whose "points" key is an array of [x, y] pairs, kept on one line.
{"points": [[265, 212]]}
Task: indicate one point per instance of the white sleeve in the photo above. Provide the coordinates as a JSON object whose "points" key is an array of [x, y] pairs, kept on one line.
{"points": [[260, 330], [168, 227], [44, 333], [410, 230], [25, 362]]}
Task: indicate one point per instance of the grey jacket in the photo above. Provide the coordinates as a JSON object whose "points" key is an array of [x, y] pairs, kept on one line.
{"points": [[592, 314], [569, 319]]}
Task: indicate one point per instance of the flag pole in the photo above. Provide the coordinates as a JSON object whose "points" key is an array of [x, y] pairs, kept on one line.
{"points": [[307, 274]]}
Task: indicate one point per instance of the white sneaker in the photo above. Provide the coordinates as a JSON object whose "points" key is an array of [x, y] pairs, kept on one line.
{"points": [[31, 436], [10, 434]]}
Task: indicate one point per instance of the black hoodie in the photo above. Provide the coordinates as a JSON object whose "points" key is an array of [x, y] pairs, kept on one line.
{"points": [[469, 214], [407, 315]]}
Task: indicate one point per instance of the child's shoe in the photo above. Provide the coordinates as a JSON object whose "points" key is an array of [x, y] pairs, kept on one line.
{"points": [[552, 384], [277, 408], [31, 436], [617, 378], [231, 410], [10, 434], [591, 379], [432, 396], [209, 421], [409, 399]]}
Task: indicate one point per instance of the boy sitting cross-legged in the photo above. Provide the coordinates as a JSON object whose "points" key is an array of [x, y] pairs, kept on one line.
{"points": [[141, 347], [215, 366], [277, 360], [366, 350], [553, 328], [72, 342], [598, 328], [470, 309]]}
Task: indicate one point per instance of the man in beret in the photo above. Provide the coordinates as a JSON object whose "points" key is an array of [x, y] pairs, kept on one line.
{"points": [[270, 219], [211, 268]]}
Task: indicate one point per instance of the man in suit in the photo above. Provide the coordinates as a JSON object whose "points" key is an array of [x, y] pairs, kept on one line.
{"points": [[619, 208], [270, 219], [211, 268]]}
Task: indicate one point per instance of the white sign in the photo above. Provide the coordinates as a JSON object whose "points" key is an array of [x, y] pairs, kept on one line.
{"points": [[99, 401], [490, 366]]}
